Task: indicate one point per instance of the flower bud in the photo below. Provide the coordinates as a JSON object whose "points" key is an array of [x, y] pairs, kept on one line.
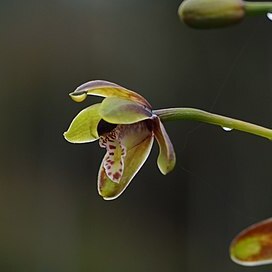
{"points": [[211, 13]]}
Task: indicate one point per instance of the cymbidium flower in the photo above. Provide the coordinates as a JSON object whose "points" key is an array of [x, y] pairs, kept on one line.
{"points": [[253, 245], [125, 126]]}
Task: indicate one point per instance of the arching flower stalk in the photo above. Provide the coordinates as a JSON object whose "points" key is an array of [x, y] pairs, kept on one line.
{"points": [[125, 125]]}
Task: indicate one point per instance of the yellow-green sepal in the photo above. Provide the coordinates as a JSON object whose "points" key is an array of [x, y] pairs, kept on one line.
{"points": [[83, 128], [167, 159], [117, 110], [106, 89]]}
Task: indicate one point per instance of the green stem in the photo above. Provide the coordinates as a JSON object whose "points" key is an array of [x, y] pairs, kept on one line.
{"points": [[256, 8], [214, 119]]}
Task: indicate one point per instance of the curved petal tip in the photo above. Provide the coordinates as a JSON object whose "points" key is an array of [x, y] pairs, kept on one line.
{"points": [[78, 97], [106, 89]]}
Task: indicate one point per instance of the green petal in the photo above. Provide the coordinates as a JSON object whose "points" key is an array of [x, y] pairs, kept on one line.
{"points": [[253, 246], [167, 158], [135, 158], [117, 110], [83, 128], [106, 89]]}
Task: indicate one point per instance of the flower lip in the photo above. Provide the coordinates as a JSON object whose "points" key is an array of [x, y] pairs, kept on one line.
{"points": [[137, 140]]}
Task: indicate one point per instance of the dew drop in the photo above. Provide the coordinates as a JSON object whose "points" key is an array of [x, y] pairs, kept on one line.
{"points": [[227, 128], [269, 16]]}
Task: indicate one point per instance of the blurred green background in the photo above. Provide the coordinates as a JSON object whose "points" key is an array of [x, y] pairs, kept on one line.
{"points": [[51, 216]]}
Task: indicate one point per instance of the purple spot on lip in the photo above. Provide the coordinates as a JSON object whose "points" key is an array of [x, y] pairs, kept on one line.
{"points": [[116, 175]]}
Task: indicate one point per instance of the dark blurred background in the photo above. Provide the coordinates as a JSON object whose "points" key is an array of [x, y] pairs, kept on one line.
{"points": [[51, 216]]}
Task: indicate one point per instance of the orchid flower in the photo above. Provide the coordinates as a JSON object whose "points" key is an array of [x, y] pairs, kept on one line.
{"points": [[125, 126]]}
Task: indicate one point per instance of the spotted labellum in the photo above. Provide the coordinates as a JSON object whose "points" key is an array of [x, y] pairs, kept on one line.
{"points": [[125, 126]]}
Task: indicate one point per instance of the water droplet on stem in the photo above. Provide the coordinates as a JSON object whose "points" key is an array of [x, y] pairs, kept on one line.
{"points": [[227, 128]]}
